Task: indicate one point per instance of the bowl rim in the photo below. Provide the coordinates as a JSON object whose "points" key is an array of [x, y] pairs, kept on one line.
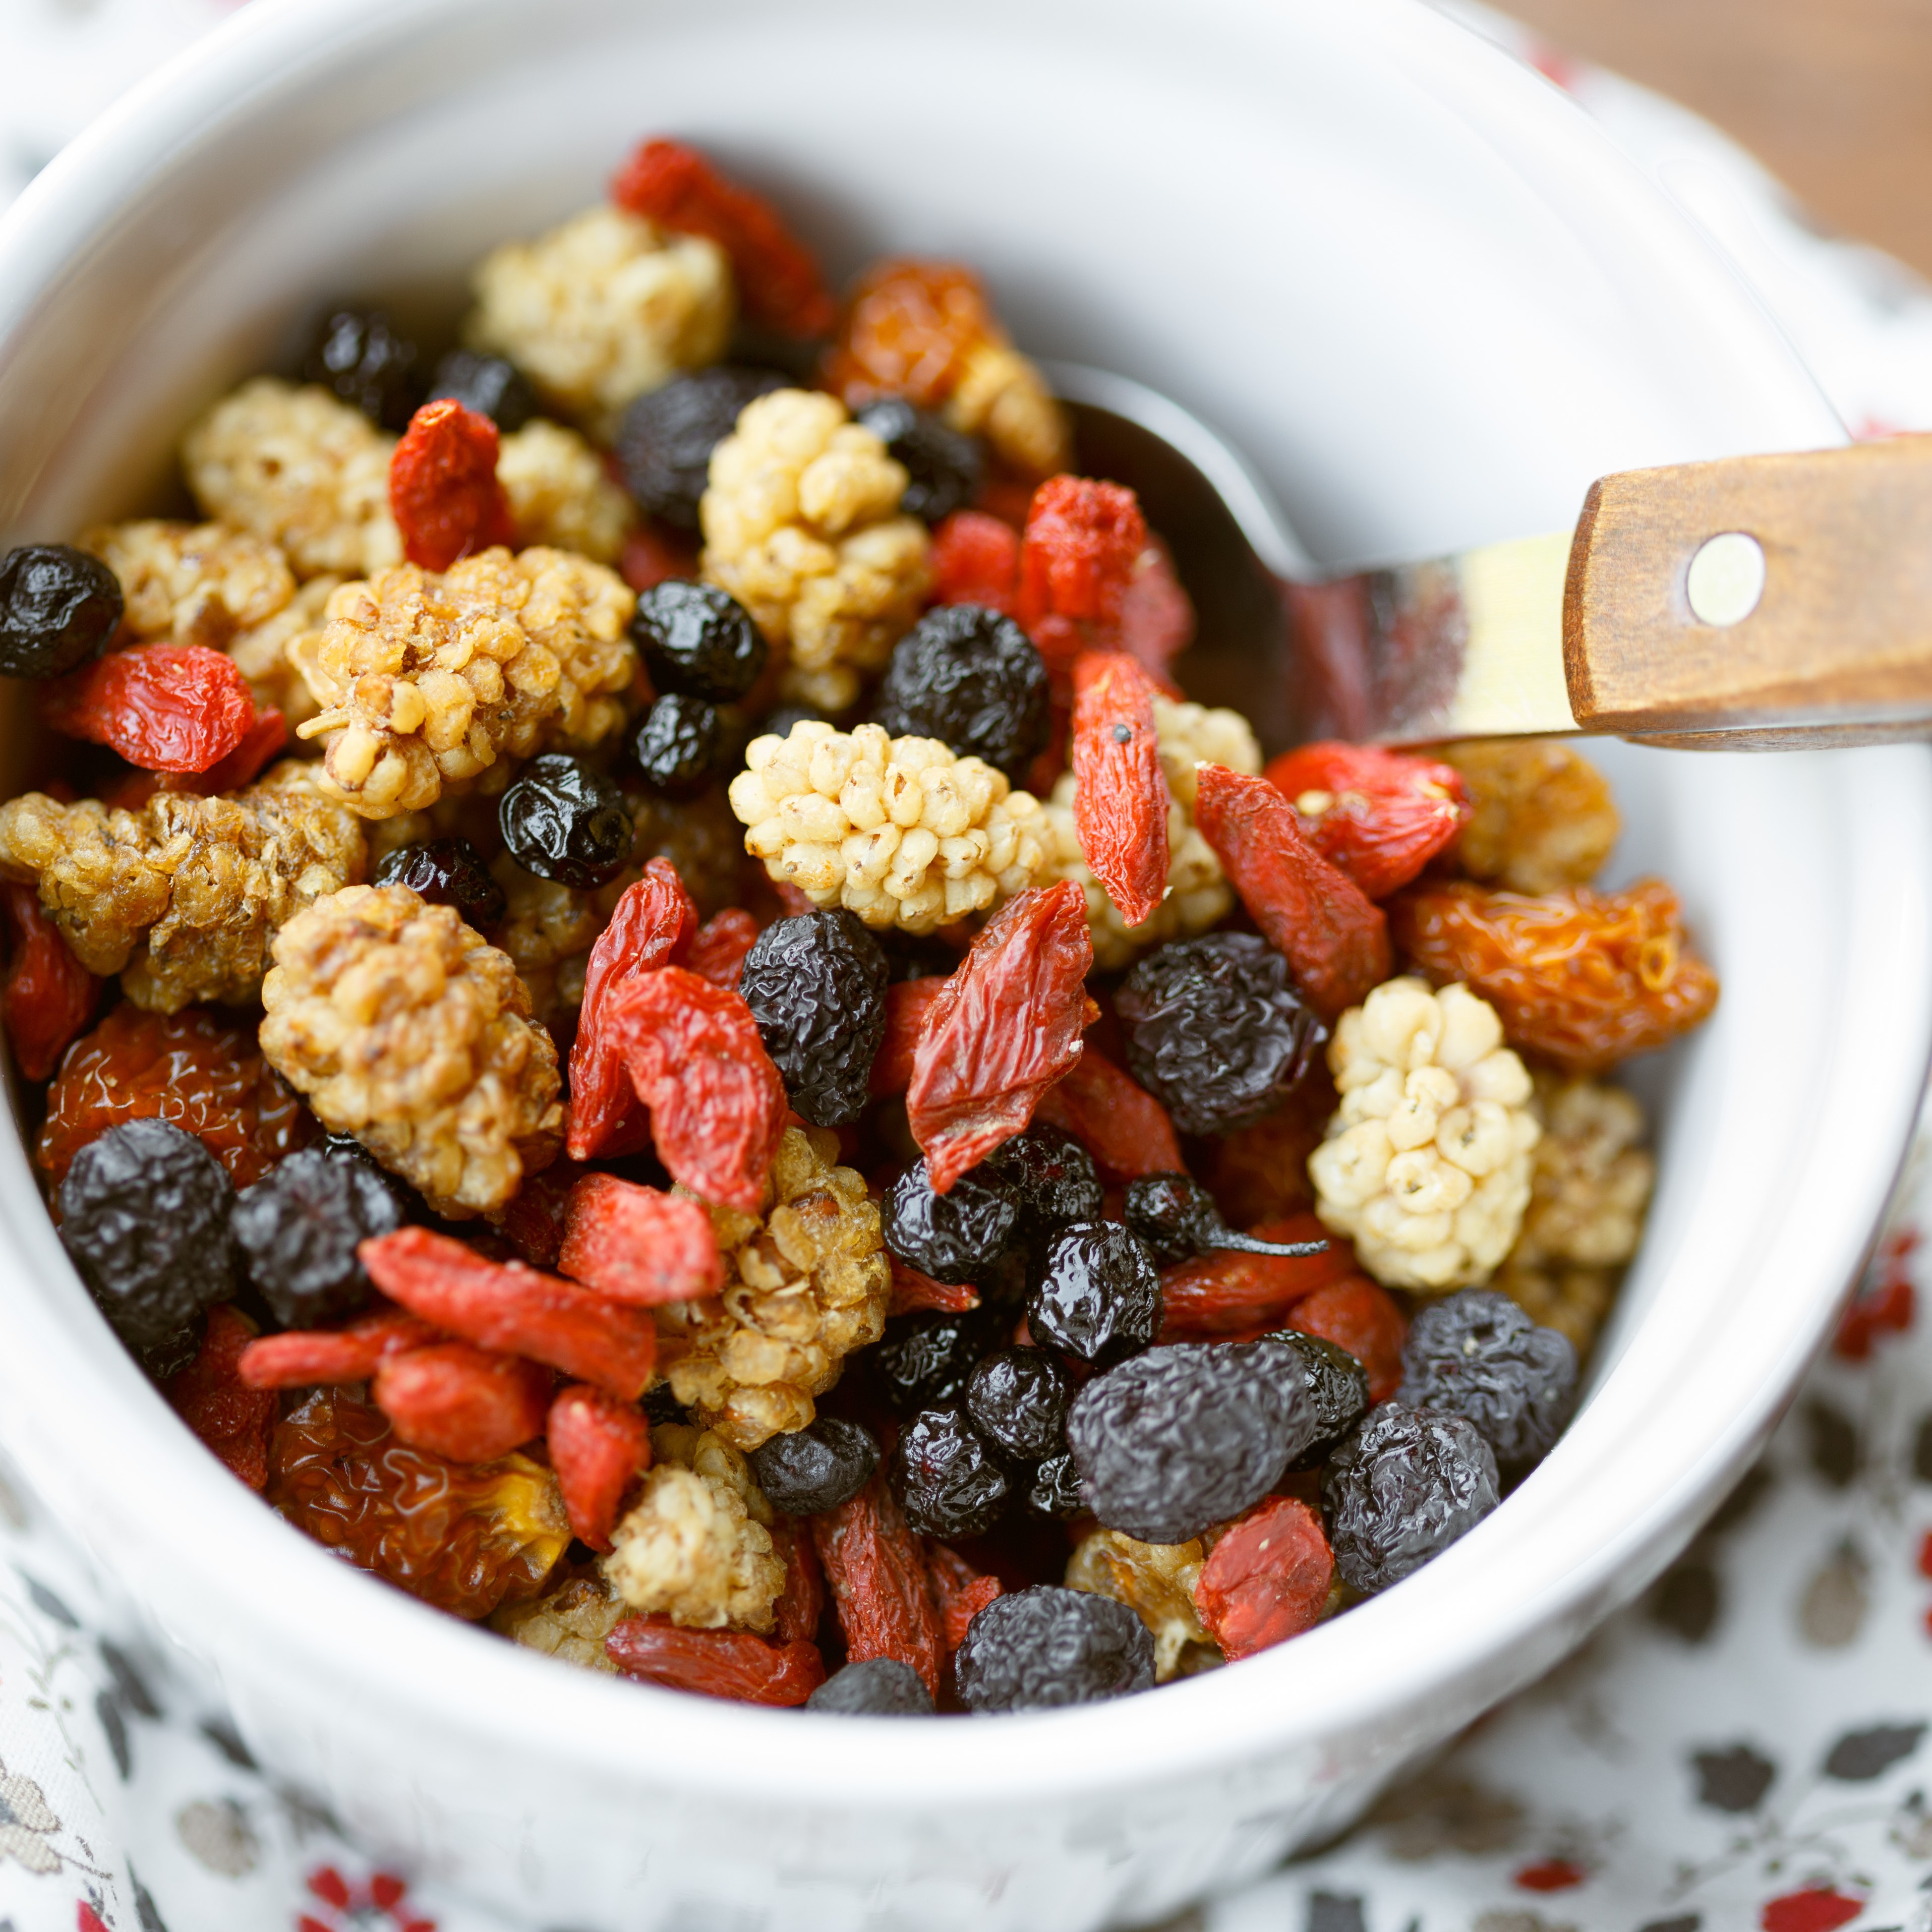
{"points": [[380, 1646]]}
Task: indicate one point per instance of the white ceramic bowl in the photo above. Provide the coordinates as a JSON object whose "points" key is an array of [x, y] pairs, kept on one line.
{"points": [[1432, 304]]}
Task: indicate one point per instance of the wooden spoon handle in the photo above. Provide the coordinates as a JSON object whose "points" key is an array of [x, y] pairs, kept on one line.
{"points": [[1662, 634]]}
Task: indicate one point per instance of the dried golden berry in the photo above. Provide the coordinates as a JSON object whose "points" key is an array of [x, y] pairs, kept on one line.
{"points": [[1541, 816]]}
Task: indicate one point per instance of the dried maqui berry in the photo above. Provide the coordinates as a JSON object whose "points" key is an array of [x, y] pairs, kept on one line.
{"points": [[1177, 1219], [1050, 1177], [816, 985], [359, 354], [971, 678], [817, 1468], [665, 444], [563, 821], [488, 385], [942, 467], [964, 1235], [445, 871], [1400, 1490], [947, 1479], [1478, 1355], [1098, 1296], [297, 1232], [1041, 1648], [875, 1687], [1337, 1386], [1018, 1399], [698, 640], [676, 746], [58, 607], [927, 1358]]}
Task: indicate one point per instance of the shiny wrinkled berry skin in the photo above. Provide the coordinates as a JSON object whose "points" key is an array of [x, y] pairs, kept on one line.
{"points": [[1042, 1649], [1050, 1178], [971, 678], [488, 385], [59, 607], [1184, 1437], [359, 354], [1175, 1216], [875, 1687], [1017, 1399], [816, 985], [1478, 1355], [665, 442], [563, 821], [818, 1467], [927, 1358], [296, 1231], [445, 871], [942, 467], [945, 1476], [1215, 1030], [1400, 1489], [1337, 1386], [1098, 1296], [699, 641], [962, 1235], [676, 746], [144, 1217], [1054, 1487]]}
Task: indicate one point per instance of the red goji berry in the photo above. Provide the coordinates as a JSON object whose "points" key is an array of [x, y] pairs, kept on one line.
{"points": [[908, 1003], [598, 1446], [471, 1405], [958, 1590], [1119, 1122], [778, 281], [1267, 1579], [1083, 542], [876, 1572], [696, 1061], [1379, 816], [50, 995], [443, 491], [1004, 1026], [263, 740], [1228, 1293], [802, 1601], [718, 947], [1157, 615], [912, 1291], [1337, 943], [719, 1662], [164, 707], [653, 555], [652, 925], [513, 1309], [211, 1395], [1358, 1314], [637, 1245], [976, 559], [533, 1220], [306, 1357], [1119, 794]]}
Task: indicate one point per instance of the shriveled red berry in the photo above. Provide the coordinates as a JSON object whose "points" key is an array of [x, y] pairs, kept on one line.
{"points": [[717, 1662], [960, 1591], [912, 1291], [876, 1571], [598, 1446], [1081, 546], [443, 491], [718, 947], [637, 1245], [263, 740], [1360, 1316], [471, 1404], [49, 996], [1120, 795], [533, 1220], [778, 282], [1157, 615], [308, 1357], [976, 559], [1117, 1119], [1267, 1579], [164, 707], [908, 1003], [1379, 816], [233, 1418], [802, 1601], [1226, 1293]]}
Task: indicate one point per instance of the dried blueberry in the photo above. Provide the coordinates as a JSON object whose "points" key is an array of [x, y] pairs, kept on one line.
{"points": [[144, 1216], [1215, 1030], [1401, 1488], [945, 1476], [816, 985], [1337, 1387], [929, 1357], [297, 1229], [487, 384], [58, 607], [1050, 1178], [359, 354], [818, 1467], [1177, 1219], [1018, 1399], [942, 467], [696, 639], [676, 746], [1054, 1488], [1184, 1437], [1043, 1648], [445, 871], [875, 1687], [1478, 1355], [779, 720], [668, 435], [347, 1148], [1098, 1296], [962, 1235], [563, 821], [971, 678]]}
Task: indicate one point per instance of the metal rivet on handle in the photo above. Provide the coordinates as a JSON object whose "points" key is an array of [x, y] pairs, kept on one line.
{"points": [[1725, 579]]}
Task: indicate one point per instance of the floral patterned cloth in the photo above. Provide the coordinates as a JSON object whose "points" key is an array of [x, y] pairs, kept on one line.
{"points": [[1748, 1748]]}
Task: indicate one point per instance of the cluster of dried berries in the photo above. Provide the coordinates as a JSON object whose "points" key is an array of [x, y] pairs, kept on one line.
{"points": [[788, 1120]]}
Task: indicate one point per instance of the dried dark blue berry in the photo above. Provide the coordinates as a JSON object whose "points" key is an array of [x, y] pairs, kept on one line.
{"points": [[359, 354], [818, 1467], [1215, 1030], [942, 467], [296, 1230], [563, 821], [698, 639], [665, 442], [1041, 1648], [346, 1147], [816, 985], [1018, 1399], [1337, 1387], [58, 607], [971, 678], [487, 384], [962, 1235], [875, 1687], [779, 720], [927, 1358], [947, 1479], [1401, 1488], [1184, 1437], [1478, 1355], [1054, 1488], [1098, 1296], [144, 1216], [445, 871], [1050, 1178], [676, 745], [1177, 1219]]}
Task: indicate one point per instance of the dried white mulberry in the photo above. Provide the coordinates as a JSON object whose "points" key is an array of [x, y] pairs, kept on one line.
{"points": [[261, 653], [560, 496], [1156, 1581], [196, 583], [570, 1622]]}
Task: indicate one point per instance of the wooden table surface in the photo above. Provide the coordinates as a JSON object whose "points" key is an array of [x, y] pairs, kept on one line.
{"points": [[1834, 96]]}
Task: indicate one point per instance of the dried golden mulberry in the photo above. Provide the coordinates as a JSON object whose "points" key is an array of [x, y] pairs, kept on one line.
{"points": [[194, 584], [560, 496], [1541, 815], [261, 653], [401, 1026], [1156, 1581]]}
